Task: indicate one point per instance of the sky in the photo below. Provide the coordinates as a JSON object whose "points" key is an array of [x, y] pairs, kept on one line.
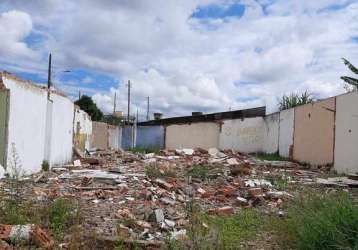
{"points": [[186, 55]]}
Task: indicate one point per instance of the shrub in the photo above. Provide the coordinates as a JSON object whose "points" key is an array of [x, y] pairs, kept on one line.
{"points": [[316, 221], [45, 166]]}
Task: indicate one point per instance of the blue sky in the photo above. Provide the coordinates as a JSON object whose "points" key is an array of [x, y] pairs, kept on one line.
{"points": [[206, 55]]}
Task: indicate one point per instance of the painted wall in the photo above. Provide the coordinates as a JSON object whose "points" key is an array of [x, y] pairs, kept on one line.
{"points": [[113, 134], [314, 132], [286, 132], [82, 129], [61, 129], [4, 99], [150, 137], [346, 144], [203, 134], [128, 134], [271, 133], [27, 124], [99, 135], [243, 135]]}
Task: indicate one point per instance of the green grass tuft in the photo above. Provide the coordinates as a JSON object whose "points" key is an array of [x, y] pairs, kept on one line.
{"points": [[145, 150], [199, 171], [269, 157], [328, 221], [62, 214]]}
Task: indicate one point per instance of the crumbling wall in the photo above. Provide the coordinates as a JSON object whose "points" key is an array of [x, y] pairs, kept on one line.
{"points": [[314, 132], [202, 134], [82, 129], [61, 129], [271, 133], [244, 135], [100, 135], [346, 137], [150, 137], [26, 124], [113, 134], [286, 132]]}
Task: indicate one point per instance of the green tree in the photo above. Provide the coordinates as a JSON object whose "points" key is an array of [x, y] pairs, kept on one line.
{"points": [[351, 83], [86, 103], [293, 100]]}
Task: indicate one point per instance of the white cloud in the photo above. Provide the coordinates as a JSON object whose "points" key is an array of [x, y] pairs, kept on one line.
{"points": [[185, 64]]}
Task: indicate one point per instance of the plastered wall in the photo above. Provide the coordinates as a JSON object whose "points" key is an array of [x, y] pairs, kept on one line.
{"points": [[243, 135], [203, 134], [314, 132], [270, 131], [113, 134], [99, 135], [346, 144], [62, 129], [26, 125], [150, 137], [286, 128], [82, 129]]}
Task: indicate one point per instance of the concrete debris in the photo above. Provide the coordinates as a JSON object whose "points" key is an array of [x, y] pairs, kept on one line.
{"points": [[338, 181], [118, 196], [26, 234]]}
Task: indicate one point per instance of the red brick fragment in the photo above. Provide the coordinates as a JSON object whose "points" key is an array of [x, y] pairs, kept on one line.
{"points": [[255, 192], [40, 238], [5, 231]]}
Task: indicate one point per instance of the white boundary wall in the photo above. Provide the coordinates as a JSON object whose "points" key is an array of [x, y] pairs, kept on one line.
{"points": [[271, 133], [346, 137], [287, 120], [113, 137], [62, 129], [26, 125], [243, 135], [40, 129]]}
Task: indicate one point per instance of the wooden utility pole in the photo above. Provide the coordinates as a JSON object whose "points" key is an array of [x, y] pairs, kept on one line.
{"points": [[49, 72], [114, 102], [148, 108], [129, 99]]}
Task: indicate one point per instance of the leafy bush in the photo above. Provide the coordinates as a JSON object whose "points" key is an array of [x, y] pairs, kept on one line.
{"points": [[315, 221], [45, 166]]}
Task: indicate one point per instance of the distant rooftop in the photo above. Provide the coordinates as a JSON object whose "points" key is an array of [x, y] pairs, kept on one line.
{"points": [[236, 114]]}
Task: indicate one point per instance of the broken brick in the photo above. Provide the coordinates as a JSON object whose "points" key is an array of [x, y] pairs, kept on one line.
{"points": [[255, 192], [40, 238]]}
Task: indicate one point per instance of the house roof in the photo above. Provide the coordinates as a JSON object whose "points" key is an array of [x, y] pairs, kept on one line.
{"points": [[236, 114]]}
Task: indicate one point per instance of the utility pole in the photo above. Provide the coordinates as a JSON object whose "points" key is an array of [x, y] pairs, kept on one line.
{"points": [[148, 108], [114, 102], [129, 99], [137, 117], [79, 94], [49, 76]]}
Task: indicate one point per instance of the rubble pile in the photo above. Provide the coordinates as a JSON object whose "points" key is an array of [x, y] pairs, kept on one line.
{"points": [[144, 197]]}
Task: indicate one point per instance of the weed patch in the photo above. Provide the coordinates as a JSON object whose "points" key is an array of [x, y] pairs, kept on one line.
{"points": [[145, 150], [269, 157], [63, 213], [316, 221], [199, 171]]}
